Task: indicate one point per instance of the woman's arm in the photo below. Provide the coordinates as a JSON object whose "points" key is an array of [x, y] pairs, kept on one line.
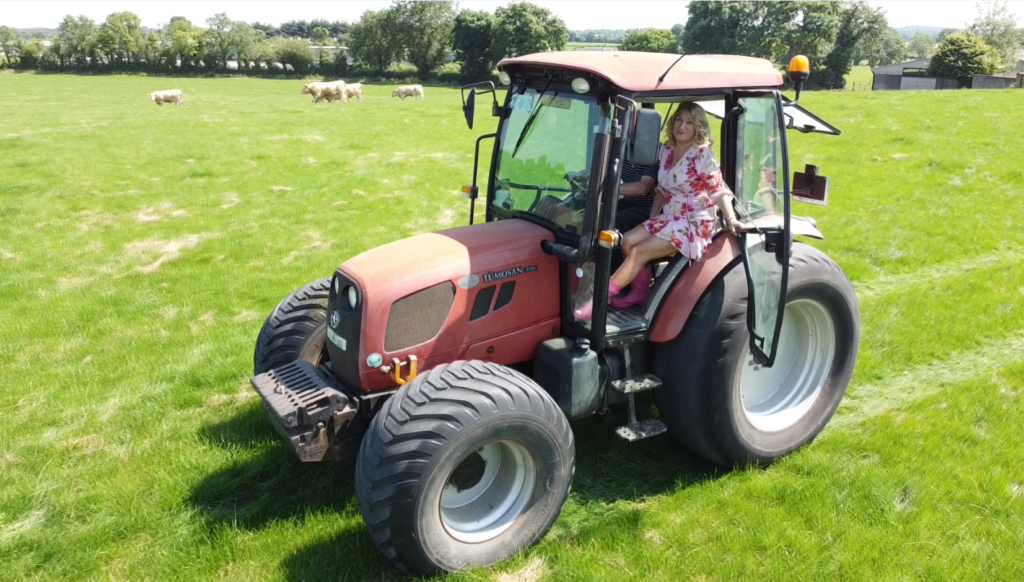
{"points": [[659, 202], [722, 196]]}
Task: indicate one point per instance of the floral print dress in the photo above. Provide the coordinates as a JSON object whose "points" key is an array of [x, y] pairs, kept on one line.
{"points": [[690, 188]]}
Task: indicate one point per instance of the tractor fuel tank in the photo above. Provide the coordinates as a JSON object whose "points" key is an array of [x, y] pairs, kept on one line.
{"points": [[485, 291], [570, 372]]}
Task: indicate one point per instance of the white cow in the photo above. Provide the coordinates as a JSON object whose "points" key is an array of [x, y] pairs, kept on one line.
{"points": [[408, 91], [169, 96], [354, 91], [335, 90]]}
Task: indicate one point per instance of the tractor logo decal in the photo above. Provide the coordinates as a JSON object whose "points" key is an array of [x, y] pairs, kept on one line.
{"points": [[468, 281], [335, 319], [506, 273]]}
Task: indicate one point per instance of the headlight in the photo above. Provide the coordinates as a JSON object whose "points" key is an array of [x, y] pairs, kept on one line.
{"points": [[505, 79], [352, 297], [580, 85], [335, 285]]}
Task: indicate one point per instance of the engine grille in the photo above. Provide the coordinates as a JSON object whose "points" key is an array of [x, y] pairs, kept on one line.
{"points": [[417, 318]]}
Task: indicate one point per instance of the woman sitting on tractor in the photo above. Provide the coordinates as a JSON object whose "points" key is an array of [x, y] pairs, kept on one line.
{"points": [[690, 187]]}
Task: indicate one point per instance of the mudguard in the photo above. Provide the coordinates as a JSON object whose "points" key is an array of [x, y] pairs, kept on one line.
{"points": [[677, 305]]}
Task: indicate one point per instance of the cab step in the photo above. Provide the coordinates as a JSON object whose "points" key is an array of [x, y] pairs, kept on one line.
{"points": [[635, 431], [641, 383], [642, 429]]}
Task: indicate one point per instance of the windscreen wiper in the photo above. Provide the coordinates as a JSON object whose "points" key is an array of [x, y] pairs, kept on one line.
{"points": [[533, 115]]}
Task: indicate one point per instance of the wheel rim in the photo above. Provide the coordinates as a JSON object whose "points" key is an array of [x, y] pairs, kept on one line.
{"points": [[777, 398], [488, 490]]}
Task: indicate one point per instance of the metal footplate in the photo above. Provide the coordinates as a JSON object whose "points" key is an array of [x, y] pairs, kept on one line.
{"points": [[646, 428], [307, 408], [638, 384], [635, 431]]}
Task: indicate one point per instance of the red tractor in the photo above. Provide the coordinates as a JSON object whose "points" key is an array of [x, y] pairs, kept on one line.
{"points": [[449, 365]]}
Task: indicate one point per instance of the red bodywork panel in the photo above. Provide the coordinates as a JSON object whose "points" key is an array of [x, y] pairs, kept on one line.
{"points": [[639, 71], [690, 287], [395, 270]]}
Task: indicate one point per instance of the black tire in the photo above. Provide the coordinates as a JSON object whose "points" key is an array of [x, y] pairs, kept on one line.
{"points": [[427, 429], [295, 330], [701, 369]]}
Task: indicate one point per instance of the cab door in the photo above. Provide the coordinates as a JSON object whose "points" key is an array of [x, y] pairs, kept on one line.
{"points": [[762, 201]]}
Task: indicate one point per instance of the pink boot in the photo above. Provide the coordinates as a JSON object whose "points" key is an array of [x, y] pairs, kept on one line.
{"points": [[586, 311], [638, 293]]}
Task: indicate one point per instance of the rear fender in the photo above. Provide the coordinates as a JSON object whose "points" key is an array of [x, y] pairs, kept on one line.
{"points": [[677, 305]]}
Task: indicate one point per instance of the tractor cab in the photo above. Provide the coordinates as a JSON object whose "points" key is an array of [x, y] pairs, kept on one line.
{"points": [[568, 123]]}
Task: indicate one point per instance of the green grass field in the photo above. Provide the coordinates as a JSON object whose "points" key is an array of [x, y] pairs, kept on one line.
{"points": [[142, 247], [861, 75]]}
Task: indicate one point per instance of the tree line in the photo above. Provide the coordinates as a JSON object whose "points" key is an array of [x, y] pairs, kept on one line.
{"points": [[427, 39], [435, 39]]}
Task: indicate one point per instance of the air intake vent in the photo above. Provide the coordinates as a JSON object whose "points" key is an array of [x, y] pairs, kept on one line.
{"points": [[417, 318], [505, 293]]}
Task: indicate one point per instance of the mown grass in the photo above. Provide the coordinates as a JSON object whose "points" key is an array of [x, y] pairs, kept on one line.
{"points": [[141, 248]]}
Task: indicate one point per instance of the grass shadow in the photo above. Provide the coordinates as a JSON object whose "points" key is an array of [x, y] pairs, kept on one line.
{"points": [[347, 555], [272, 487], [610, 469], [247, 429]]}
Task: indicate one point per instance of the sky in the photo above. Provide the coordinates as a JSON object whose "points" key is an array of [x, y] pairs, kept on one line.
{"points": [[578, 15]]}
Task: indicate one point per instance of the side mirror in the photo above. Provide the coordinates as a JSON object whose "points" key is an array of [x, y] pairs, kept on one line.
{"points": [[470, 107], [646, 137]]}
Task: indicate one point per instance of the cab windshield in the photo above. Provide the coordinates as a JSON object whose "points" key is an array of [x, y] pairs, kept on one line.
{"points": [[546, 146]]}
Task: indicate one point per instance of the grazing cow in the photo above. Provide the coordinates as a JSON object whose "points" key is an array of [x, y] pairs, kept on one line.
{"points": [[354, 91], [169, 96], [335, 90], [404, 91]]}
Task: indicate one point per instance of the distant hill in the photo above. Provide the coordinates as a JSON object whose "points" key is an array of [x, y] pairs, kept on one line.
{"points": [[36, 32], [908, 32]]}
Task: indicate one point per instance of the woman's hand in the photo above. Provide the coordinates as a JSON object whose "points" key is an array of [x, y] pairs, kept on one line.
{"points": [[734, 225]]}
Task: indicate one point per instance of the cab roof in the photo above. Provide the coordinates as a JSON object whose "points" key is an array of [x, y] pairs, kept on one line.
{"points": [[639, 71]]}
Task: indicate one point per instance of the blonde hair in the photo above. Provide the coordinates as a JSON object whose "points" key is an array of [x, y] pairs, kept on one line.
{"points": [[700, 122]]}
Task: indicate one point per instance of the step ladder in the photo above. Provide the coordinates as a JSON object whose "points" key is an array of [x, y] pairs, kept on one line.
{"points": [[646, 428]]}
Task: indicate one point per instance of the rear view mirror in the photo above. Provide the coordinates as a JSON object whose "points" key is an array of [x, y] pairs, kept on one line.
{"points": [[646, 136], [810, 186], [470, 107], [469, 102]]}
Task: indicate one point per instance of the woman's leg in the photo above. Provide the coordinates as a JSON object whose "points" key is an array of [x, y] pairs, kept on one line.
{"points": [[638, 255], [634, 237], [647, 249]]}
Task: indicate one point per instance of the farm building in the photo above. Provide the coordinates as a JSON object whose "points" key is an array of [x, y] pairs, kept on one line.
{"points": [[997, 81], [908, 76]]}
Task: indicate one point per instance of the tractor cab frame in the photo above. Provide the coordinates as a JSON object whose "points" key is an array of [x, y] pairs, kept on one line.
{"points": [[606, 90]]}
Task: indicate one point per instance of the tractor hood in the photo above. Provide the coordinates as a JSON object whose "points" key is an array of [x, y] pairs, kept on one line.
{"points": [[438, 295]]}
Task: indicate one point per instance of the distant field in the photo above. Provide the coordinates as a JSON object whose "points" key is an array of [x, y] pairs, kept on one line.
{"points": [[860, 74], [142, 247]]}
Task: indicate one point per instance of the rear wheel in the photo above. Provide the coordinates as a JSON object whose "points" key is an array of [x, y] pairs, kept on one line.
{"points": [[724, 406], [295, 330], [464, 466]]}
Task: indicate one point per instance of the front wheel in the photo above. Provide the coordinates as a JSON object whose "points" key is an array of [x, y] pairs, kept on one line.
{"points": [[295, 330], [718, 402], [464, 466]]}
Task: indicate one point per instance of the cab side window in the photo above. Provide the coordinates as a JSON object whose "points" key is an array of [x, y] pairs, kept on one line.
{"points": [[759, 187]]}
